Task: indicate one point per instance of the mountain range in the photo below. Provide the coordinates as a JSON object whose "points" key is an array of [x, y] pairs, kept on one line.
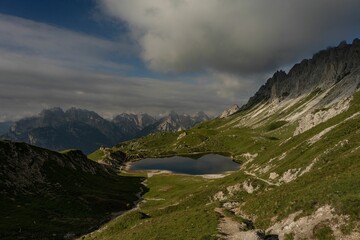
{"points": [[86, 130], [297, 141]]}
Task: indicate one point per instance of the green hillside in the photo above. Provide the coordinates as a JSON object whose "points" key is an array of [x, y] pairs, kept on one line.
{"points": [[283, 176]]}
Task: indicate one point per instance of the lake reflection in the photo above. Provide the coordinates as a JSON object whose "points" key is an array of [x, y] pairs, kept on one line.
{"points": [[207, 164]]}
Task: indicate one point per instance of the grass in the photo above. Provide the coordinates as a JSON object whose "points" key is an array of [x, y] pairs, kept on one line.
{"points": [[331, 181], [169, 212], [276, 125], [97, 155], [323, 232]]}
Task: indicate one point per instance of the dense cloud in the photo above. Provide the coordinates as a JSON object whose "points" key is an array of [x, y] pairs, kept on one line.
{"points": [[238, 36]]}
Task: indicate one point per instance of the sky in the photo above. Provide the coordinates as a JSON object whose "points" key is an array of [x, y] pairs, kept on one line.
{"points": [[115, 56]]}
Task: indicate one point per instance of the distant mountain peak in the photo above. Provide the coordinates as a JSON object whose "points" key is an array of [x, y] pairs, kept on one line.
{"points": [[174, 122]]}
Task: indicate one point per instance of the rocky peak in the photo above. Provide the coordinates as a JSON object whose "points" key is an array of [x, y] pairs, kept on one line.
{"points": [[50, 117], [51, 112], [200, 117], [230, 111], [145, 120], [77, 114], [173, 115], [138, 121]]}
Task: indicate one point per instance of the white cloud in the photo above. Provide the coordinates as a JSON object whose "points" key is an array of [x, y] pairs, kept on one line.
{"points": [[29, 45], [238, 36]]}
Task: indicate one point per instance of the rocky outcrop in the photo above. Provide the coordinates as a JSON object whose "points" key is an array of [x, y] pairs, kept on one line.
{"points": [[303, 227], [113, 159], [230, 229], [314, 118], [230, 111]]}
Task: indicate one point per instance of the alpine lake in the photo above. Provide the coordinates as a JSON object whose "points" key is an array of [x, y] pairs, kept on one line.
{"points": [[206, 164]]}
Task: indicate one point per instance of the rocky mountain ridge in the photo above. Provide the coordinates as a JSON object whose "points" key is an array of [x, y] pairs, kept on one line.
{"points": [[313, 91], [325, 69], [86, 130]]}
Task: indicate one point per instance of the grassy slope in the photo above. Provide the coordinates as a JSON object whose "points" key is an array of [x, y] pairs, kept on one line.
{"points": [[97, 155], [158, 218], [176, 207], [333, 178]]}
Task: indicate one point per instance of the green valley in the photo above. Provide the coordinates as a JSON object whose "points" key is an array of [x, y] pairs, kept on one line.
{"points": [[299, 176], [279, 177]]}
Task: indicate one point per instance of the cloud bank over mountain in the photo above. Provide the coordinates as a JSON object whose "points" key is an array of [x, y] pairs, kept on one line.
{"points": [[236, 36]]}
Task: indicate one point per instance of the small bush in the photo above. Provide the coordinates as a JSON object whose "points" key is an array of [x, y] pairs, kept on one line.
{"points": [[276, 125], [323, 232]]}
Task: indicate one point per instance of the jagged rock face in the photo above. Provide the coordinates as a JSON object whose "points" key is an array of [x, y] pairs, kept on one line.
{"points": [[230, 111], [133, 123], [322, 71]]}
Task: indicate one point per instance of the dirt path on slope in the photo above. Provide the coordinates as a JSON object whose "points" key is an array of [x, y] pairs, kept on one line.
{"points": [[261, 179]]}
